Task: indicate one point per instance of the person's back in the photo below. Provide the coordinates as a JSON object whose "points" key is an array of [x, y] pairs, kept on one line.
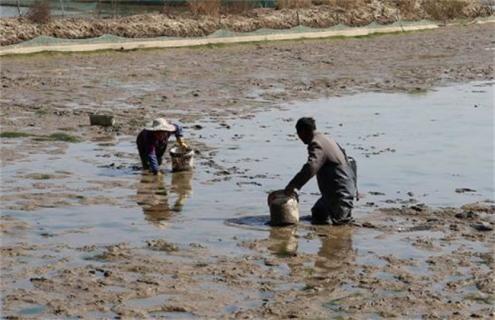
{"points": [[326, 160], [335, 177], [152, 142]]}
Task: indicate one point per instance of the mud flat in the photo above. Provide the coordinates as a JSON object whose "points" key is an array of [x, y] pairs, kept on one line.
{"points": [[189, 83], [86, 234]]}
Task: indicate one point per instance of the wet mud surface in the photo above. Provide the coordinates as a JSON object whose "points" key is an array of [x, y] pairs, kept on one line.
{"points": [[85, 233]]}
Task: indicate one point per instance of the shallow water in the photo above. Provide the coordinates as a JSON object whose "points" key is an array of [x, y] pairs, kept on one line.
{"points": [[427, 145], [440, 140]]}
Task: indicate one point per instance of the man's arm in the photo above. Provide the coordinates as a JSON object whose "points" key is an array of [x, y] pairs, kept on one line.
{"points": [[178, 131], [179, 135], [316, 159]]}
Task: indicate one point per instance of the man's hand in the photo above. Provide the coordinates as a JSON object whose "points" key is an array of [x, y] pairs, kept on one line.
{"points": [[289, 191], [182, 143]]}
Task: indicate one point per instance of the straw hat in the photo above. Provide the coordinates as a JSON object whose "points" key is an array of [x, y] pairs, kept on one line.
{"points": [[160, 124]]}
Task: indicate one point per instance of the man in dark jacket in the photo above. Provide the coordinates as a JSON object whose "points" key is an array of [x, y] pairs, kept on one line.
{"points": [[335, 176], [152, 142]]}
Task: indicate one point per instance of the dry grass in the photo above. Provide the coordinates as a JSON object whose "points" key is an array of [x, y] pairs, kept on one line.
{"points": [[444, 9], [319, 2], [239, 6], [205, 7], [348, 4], [39, 12], [406, 6], [490, 6], [292, 4]]}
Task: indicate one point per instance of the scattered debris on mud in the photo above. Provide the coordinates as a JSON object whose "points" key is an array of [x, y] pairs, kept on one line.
{"points": [[76, 244], [444, 272]]}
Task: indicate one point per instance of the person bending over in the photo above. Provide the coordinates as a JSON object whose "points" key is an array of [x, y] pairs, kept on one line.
{"points": [[335, 176], [152, 142]]}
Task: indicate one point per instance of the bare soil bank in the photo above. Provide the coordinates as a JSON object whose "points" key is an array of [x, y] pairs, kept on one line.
{"points": [[15, 30]]}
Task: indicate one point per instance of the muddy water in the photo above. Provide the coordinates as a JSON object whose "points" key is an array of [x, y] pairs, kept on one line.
{"points": [[410, 149], [428, 144]]}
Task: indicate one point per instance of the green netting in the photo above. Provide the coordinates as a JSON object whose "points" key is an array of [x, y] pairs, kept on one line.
{"points": [[47, 41]]}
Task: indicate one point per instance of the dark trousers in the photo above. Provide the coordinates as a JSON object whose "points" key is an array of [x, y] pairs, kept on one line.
{"points": [[144, 156], [336, 211]]}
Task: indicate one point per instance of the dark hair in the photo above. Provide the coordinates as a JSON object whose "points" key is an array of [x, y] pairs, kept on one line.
{"points": [[306, 124]]}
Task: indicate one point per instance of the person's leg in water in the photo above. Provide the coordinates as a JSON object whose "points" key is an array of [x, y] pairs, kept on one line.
{"points": [[144, 158], [341, 213], [320, 212], [337, 212], [159, 153]]}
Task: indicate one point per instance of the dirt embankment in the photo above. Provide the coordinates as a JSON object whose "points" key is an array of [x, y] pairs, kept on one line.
{"points": [[15, 30]]}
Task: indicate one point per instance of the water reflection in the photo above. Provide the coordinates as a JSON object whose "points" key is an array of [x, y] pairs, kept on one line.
{"points": [[181, 185], [335, 251], [283, 241], [336, 248], [154, 198]]}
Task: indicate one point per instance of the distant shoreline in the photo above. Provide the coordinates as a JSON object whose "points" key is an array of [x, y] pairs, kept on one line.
{"points": [[184, 24]]}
